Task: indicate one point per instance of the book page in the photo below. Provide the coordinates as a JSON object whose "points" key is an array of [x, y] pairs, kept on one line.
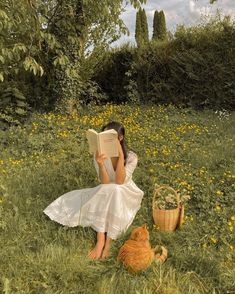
{"points": [[108, 143], [92, 137]]}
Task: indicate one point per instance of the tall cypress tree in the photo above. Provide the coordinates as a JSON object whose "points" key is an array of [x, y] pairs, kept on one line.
{"points": [[159, 26], [144, 25], [141, 28], [162, 25], [138, 28], [155, 26]]}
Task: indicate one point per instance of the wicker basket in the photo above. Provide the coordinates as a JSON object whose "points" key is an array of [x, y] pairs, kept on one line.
{"points": [[170, 219]]}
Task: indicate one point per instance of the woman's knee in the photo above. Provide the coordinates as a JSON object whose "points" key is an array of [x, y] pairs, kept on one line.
{"points": [[112, 187]]}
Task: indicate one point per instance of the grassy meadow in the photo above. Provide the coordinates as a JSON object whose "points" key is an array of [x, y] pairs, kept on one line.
{"points": [[48, 156]]}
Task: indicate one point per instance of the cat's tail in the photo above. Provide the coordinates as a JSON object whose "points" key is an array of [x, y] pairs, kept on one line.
{"points": [[161, 253]]}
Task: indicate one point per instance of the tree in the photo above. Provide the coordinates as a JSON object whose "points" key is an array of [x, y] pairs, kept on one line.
{"points": [[31, 30], [138, 29], [144, 25], [141, 28], [53, 38], [159, 26], [19, 39], [163, 32], [156, 25]]}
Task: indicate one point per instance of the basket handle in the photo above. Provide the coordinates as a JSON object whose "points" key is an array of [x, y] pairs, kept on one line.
{"points": [[156, 190]]}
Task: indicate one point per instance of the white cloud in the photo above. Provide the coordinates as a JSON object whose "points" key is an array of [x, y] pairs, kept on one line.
{"points": [[192, 6], [150, 13]]}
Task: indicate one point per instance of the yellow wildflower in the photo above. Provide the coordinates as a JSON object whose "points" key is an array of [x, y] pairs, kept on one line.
{"points": [[183, 183], [213, 240], [156, 227]]}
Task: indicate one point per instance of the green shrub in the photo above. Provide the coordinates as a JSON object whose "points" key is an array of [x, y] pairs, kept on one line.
{"points": [[113, 78], [194, 69], [13, 107]]}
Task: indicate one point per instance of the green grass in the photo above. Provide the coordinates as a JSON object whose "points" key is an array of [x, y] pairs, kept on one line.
{"points": [[191, 151]]}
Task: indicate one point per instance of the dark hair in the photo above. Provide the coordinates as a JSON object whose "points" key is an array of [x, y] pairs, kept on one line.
{"points": [[121, 131]]}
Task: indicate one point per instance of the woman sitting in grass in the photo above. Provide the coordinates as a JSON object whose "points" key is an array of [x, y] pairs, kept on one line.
{"points": [[108, 208]]}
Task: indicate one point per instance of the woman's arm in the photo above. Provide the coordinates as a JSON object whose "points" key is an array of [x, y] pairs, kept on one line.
{"points": [[104, 177], [120, 174]]}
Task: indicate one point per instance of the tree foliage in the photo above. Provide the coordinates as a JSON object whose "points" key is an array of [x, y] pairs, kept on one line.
{"points": [[159, 26], [141, 28], [58, 41], [144, 24], [138, 28], [13, 107], [196, 68], [32, 29]]}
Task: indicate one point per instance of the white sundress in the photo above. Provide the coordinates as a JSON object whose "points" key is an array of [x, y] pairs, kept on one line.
{"points": [[107, 208]]}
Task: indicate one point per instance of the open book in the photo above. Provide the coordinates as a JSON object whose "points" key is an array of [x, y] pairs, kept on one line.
{"points": [[105, 142]]}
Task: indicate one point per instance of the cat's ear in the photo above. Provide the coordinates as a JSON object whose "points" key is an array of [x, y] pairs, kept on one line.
{"points": [[145, 226], [135, 234]]}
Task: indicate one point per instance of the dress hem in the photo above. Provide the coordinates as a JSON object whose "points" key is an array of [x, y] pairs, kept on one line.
{"points": [[77, 225]]}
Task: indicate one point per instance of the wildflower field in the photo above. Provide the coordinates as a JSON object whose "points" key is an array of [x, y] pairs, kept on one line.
{"points": [[48, 156]]}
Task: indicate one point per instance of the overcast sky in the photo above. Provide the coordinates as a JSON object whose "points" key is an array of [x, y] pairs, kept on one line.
{"points": [[188, 12]]}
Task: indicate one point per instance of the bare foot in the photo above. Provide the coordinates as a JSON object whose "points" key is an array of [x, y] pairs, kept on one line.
{"points": [[106, 250], [105, 253], [96, 252]]}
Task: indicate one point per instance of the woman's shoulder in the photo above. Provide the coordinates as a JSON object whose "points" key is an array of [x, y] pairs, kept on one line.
{"points": [[131, 152], [131, 155]]}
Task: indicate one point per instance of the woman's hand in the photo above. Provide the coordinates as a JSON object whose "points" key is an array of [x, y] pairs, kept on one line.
{"points": [[100, 158], [104, 177]]}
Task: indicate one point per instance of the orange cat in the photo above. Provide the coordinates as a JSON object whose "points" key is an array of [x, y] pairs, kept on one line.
{"points": [[136, 253]]}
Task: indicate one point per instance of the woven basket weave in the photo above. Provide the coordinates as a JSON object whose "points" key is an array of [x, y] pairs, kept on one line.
{"points": [[170, 219]]}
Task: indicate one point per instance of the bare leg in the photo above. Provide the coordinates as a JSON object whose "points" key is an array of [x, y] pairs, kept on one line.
{"points": [[106, 250], [96, 252]]}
